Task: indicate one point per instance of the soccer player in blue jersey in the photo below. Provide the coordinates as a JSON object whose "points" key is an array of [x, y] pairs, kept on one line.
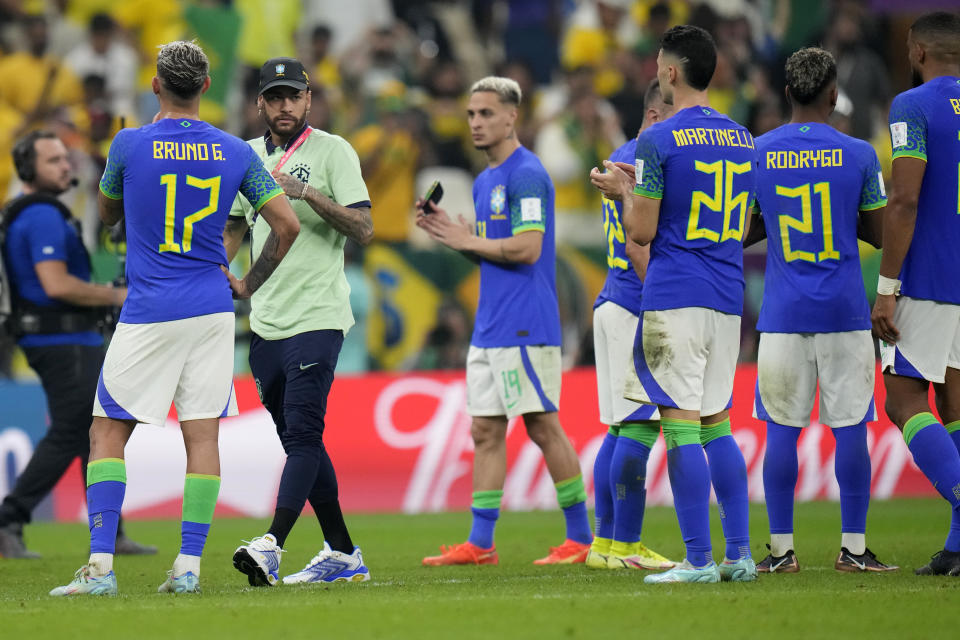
{"points": [[816, 188], [920, 331], [619, 470], [513, 367], [687, 196], [173, 183]]}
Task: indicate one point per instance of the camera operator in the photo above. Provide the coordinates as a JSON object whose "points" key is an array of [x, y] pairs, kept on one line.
{"points": [[57, 316]]}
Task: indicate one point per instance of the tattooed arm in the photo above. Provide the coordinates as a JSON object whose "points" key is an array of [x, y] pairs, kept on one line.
{"points": [[353, 222], [284, 228]]}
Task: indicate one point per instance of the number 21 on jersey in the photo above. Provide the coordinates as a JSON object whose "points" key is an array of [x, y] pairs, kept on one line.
{"points": [[805, 223], [169, 180]]}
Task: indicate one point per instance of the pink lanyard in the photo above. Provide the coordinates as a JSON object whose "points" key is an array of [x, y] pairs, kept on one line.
{"points": [[296, 145]]}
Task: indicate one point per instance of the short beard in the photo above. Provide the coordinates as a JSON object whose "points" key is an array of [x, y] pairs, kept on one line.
{"points": [[296, 127]]}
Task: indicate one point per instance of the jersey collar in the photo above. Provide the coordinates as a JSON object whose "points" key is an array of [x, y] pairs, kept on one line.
{"points": [[268, 139]]}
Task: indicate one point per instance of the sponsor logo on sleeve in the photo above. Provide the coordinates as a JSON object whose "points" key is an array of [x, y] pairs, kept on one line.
{"points": [[638, 168], [883, 188]]}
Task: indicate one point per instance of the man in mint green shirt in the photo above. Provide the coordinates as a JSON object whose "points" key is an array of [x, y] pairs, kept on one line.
{"points": [[299, 317]]}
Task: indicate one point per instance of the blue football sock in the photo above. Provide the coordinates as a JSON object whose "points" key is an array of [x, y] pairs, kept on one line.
{"points": [[629, 476], [728, 473], [690, 483], [780, 469], [106, 485], [572, 498], [485, 510], [603, 496], [936, 455], [852, 468], [953, 538]]}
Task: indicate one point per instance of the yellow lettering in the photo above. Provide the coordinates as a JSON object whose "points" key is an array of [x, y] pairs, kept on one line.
{"points": [[168, 151], [691, 136], [837, 157], [805, 159], [701, 135], [781, 159], [217, 154], [202, 148], [771, 159], [679, 138], [157, 150], [191, 151], [180, 151], [955, 103], [793, 159]]}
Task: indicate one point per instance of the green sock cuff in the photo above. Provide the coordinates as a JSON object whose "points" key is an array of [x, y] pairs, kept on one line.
{"points": [[915, 424], [487, 499], [107, 470], [571, 491], [952, 426], [645, 432], [710, 432], [614, 430], [677, 433], [200, 497]]}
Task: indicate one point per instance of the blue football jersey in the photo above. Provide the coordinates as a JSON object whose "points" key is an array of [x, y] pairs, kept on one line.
{"points": [[178, 179], [925, 124], [518, 302], [623, 286], [812, 182], [701, 163]]}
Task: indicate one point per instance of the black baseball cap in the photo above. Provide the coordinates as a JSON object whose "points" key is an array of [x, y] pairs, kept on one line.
{"points": [[283, 72]]}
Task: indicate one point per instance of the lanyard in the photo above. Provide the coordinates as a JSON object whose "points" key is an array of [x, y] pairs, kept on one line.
{"points": [[296, 145]]}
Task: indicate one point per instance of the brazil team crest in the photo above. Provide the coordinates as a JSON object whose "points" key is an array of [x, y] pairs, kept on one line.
{"points": [[498, 199]]}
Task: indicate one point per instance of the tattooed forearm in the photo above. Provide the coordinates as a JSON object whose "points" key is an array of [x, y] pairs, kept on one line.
{"points": [[266, 264], [355, 223]]}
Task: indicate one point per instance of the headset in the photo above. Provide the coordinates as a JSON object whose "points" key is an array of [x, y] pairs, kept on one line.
{"points": [[25, 154]]}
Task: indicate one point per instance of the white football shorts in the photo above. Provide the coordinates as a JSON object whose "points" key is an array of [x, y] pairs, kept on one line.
{"points": [[512, 381], [614, 331], [188, 362], [686, 359], [929, 339], [789, 364]]}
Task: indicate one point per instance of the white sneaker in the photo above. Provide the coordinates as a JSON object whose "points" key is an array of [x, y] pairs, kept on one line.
{"points": [[332, 566], [259, 559]]}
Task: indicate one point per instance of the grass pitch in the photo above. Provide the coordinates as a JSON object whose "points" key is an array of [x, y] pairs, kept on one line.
{"points": [[514, 599]]}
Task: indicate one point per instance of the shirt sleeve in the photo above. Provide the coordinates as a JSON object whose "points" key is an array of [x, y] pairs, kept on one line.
{"points": [[241, 208], [649, 168], [874, 193], [258, 186], [45, 233], [344, 175], [111, 184], [527, 194], [908, 128]]}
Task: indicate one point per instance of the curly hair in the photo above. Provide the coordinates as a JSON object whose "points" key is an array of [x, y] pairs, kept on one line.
{"points": [[182, 67], [808, 73]]}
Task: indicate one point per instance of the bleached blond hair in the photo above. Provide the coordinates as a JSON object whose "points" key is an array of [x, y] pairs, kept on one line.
{"points": [[507, 89]]}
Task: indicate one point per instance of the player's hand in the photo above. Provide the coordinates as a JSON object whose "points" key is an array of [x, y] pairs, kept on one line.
{"points": [[238, 286], [441, 228], [882, 319], [292, 187], [616, 182], [426, 208]]}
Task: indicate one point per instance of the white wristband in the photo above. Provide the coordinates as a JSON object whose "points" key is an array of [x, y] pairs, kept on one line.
{"points": [[887, 286]]}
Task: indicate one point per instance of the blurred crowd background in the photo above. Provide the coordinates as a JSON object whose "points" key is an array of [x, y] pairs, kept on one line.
{"points": [[391, 78]]}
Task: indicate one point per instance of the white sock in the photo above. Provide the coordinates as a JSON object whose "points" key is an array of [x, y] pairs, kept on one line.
{"points": [[780, 543], [856, 543], [185, 563], [100, 564]]}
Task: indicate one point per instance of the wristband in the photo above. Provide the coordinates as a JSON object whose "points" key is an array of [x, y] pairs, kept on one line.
{"points": [[887, 286], [303, 193]]}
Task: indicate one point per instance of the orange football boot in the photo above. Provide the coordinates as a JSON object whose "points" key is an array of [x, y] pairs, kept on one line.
{"points": [[570, 552], [464, 553]]}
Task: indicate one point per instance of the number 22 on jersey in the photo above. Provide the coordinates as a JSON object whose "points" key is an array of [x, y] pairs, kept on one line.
{"points": [[169, 180]]}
